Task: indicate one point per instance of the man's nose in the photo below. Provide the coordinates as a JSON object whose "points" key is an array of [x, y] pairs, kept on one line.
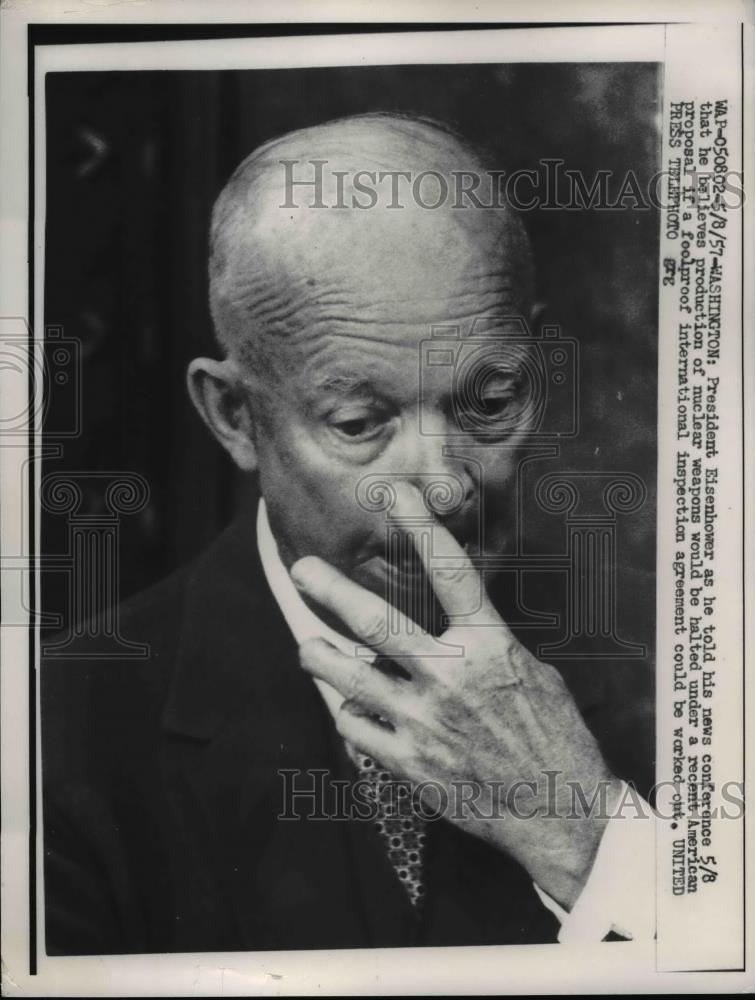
{"points": [[436, 464]]}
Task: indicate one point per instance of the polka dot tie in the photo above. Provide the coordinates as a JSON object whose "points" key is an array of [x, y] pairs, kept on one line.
{"points": [[402, 831]]}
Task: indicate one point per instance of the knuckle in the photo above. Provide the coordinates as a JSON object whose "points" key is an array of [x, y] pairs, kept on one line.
{"points": [[451, 575], [372, 628], [357, 683], [551, 676]]}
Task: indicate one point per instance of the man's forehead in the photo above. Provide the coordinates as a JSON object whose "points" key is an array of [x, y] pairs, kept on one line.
{"points": [[385, 294], [313, 239], [345, 366]]}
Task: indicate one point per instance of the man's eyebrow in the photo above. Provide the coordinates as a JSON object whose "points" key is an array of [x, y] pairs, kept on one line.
{"points": [[508, 367], [342, 383]]}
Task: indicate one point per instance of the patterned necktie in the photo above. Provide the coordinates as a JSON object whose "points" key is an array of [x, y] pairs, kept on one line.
{"points": [[402, 831]]}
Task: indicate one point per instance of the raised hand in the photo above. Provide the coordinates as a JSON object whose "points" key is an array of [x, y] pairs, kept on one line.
{"points": [[493, 726]]}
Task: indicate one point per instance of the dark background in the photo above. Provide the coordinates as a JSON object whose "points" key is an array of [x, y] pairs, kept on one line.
{"points": [[134, 163]]}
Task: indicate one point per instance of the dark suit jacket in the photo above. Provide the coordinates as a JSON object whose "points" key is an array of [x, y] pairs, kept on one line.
{"points": [[162, 792]]}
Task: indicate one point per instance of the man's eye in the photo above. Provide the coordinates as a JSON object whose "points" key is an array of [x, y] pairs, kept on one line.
{"points": [[491, 403], [358, 427], [496, 406]]}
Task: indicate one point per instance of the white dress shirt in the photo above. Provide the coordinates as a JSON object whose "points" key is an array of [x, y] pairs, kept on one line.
{"points": [[619, 894]]}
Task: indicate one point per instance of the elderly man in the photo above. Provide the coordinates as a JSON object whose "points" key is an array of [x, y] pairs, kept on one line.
{"points": [[174, 787]]}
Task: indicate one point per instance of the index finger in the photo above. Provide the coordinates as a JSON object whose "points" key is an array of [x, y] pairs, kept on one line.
{"points": [[367, 616], [456, 581]]}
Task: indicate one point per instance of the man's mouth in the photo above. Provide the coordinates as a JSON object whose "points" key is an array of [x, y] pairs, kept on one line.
{"points": [[398, 575], [402, 563]]}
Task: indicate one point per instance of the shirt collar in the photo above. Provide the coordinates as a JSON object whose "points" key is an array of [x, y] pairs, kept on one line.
{"points": [[302, 621]]}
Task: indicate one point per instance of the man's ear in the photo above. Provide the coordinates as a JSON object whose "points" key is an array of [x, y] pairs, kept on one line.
{"points": [[218, 393]]}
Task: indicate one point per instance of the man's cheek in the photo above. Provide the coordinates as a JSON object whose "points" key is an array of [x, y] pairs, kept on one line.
{"points": [[498, 494], [321, 511], [324, 480], [499, 471]]}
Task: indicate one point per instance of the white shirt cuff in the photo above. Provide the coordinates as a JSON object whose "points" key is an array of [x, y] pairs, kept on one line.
{"points": [[619, 894]]}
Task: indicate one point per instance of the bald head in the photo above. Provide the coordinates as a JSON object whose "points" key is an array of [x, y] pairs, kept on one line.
{"points": [[368, 201]]}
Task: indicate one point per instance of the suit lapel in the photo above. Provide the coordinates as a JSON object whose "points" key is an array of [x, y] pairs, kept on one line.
{"points": [[244, 724]]}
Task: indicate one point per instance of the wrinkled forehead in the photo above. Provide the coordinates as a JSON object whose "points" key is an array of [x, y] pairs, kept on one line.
{"points": [[407, 254]]}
